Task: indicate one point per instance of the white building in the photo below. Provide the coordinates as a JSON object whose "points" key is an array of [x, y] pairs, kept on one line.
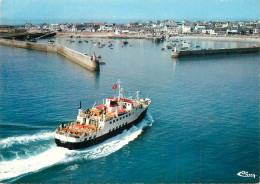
{"points": [[225, 25], [107, 27], [73, 29], [175, 30], [256, 31], [90, 29], [186, 29], [118, 30], [125, 31], [209, 31], [54, 27], [199, 28]]}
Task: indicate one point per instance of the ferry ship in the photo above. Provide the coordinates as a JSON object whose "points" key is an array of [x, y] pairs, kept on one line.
{"points": [[102, 122]]}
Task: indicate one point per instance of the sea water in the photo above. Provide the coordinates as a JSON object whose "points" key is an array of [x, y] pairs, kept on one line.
{"points": [[202, 124]]}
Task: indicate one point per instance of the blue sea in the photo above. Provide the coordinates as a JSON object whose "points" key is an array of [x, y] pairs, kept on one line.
{"points": [[202, 125]]}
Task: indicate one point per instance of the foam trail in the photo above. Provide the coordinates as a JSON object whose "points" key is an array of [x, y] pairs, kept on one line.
{"points": [[7, 142], [56, 155], [2, 158], [117, 142], [16, 167], [113, 144]]}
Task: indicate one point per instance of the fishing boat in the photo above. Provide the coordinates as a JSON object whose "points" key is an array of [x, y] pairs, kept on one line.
{"points": [[102, 122], [51, 41], [169, 47], [33, 40], [125, 42]]}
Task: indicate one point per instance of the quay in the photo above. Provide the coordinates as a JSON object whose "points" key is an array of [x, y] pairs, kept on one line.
{"points": [[203, 52], [89, 62], [29, 36]]}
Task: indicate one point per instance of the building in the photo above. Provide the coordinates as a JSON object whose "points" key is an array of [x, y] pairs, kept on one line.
{"points": [[64, 27], [186, 29], [54, 27], [28, 25], [89, 29], [232, 31], [209, 31], [73, 28], [107, 27], [175, 30], [198, 28], [256, 31]]}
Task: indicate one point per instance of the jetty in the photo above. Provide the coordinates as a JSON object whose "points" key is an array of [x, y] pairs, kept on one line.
{"points": [[29, 36], [205, 52], [88, 62]]}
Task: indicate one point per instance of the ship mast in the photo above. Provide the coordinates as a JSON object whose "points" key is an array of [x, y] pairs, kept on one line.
{"points": [[119, 90]]}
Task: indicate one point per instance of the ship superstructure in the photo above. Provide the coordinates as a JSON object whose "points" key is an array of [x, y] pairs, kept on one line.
{"points": [[102, 122]]}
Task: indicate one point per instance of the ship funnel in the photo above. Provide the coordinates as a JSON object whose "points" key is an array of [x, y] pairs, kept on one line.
{"points": [[79, 104]]}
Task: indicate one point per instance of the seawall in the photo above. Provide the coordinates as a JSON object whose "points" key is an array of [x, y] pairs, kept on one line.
{"points": [[188, 53], [88, 62], [79, 58]]}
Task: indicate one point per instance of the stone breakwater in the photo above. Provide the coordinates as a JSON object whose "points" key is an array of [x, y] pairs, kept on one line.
{"points": [[205, 52], [89, 62]]}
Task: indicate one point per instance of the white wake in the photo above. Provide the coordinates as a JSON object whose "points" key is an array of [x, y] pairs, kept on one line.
{"points": [[56, 155], [7, 142]]}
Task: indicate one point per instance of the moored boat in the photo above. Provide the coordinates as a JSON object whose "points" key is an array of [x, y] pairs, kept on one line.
{"points": [[169, 47], [125, 42], [102, 122]]}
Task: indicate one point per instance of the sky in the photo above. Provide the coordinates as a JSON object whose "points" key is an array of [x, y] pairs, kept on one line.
{"points": [[57, 11]]}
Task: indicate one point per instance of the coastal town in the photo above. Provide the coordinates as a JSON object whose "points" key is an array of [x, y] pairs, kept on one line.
{"points": [[159, 31], [142, 29], [129, 91]]}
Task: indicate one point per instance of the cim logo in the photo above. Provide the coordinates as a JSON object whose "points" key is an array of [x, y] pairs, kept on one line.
{"points": [[245, 174]]}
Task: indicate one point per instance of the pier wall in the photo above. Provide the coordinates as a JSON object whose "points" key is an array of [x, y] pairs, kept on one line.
{"points": [[187, 53], [13, 43], [77, 57], [42, 47]]}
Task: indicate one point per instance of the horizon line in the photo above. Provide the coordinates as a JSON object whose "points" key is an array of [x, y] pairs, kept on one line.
{"points": [[117, 21]]}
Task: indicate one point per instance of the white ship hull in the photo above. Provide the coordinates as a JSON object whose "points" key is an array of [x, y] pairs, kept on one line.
{"points": [[102, 122], [112, 130]]}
